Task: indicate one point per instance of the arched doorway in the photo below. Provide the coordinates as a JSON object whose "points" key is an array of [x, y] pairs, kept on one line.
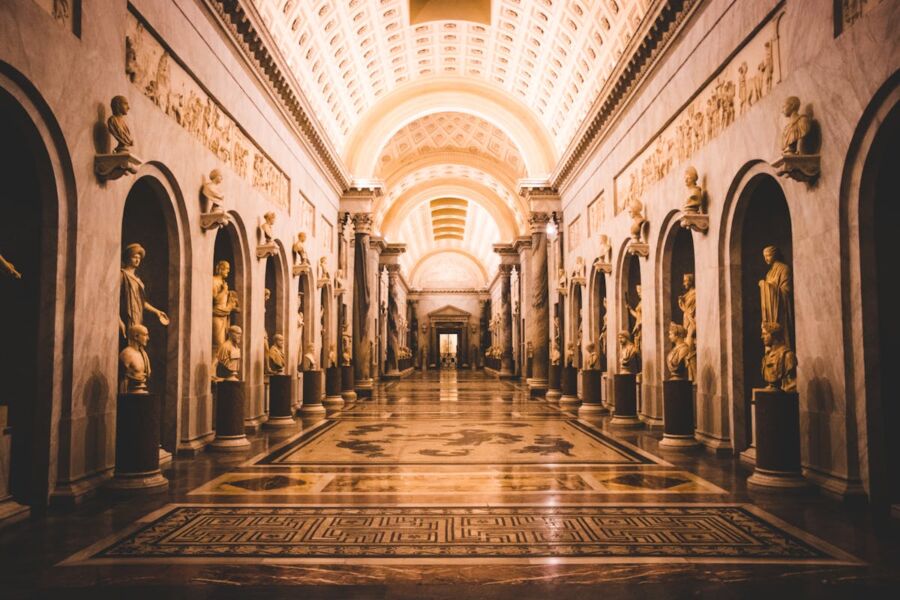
{"points": [[148, 220], [229, 291], [28, 288], [761, 220], [598, 318], [631, 311], [678, 283], [872, 169]]}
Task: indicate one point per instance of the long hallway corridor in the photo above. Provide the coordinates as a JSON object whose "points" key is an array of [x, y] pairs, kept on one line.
{"points": [[448, 484]]}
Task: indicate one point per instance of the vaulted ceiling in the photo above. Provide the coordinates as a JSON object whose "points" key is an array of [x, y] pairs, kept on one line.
{"points": [[448, 108]]}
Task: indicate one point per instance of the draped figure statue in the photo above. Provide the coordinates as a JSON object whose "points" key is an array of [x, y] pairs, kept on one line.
{"points": [[132, 295], [775, 294]]}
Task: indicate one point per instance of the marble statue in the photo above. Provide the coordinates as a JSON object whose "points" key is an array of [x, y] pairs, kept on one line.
{"points": [[228, 355], [309, 362], [593, 359], [338, 281], [554, 351], [694, 201], [687, 302], [332, 355], [346, 344], [134, 361], [224, 303], [212, 192], [9, 268], [275, 360], [265, 229], [323, 275], [133, 297], [299, 250], [682, 358], [605, 252], [796, 129], [570, 354], [601, 342], [118, 125], [300, 323], [579, 272], [629, 353], [779, 363], [562, 281], [775, 293], [637, 313], [636, 211]]}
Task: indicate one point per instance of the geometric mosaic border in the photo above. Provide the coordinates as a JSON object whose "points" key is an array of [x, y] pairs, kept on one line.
{"points": [[608, 533]]}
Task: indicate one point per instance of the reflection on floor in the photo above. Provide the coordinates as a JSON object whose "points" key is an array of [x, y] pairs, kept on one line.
{"points": [[454, 480]]}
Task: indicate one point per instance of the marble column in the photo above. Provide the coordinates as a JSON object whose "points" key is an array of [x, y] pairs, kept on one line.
{"points": [[539, 324], [506, 358], [393, 321], [362, 301]]}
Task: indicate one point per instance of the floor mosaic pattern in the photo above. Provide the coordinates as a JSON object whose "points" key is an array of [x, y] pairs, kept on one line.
{"points": [[605, 533]]}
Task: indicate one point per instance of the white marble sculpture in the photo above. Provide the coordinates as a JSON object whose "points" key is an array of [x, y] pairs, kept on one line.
{"points": [[133, 297], [776, 294], [694, 202], [681, 360], [779, 363], [323, 276], [228, 356], [629, 353], [212, 192], [579, 272], [117, 124], [275, 360], [309, 362], [134, 362], [224, 303]]}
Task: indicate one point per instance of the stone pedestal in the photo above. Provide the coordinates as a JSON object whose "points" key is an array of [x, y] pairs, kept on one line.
{"points": [[678, 415], [348, 394], [553, 384], [10, 510], [625, 401], [137, 445], [281, 413], [777, 441], [312, 393], [569, 387], [591, 395], [230, 436], [333, 399]]}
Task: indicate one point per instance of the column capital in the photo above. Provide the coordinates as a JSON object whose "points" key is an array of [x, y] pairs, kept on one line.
{"points": [[393, 270], [361, 195], [362, 222], [506, 269], [508, 254], [540, 196]]}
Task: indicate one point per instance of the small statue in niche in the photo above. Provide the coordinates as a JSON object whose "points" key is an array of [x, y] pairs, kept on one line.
{"points": [[562, 280], [637, 313], [212, 192], [134, 362], [265, 229], [300, 323], [224, 303], [605, 257], [629, 354], [602, 339], [309, 362], [687, 302], [775, 293], [9, 268], [529, 350], [117, 125], [323, 275], [693, 204], [275, 361], [593, 359], [133, 298], [579, 272], [228, 356], [796, 130], [636, 211], [332, 355], [779, 363], [346, 344], [338, 281], [299, 250], [570, 354], [682, 358]]}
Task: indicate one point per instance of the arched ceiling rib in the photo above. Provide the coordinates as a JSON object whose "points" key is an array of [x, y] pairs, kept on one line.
{"points": [[551, 56]]}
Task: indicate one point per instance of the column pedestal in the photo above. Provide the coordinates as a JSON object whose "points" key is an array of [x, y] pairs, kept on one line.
{"points": [[10, 510], [137, 445], [364, 388], [678, 415], [312, 393], [592, 401], [553, 383], [625, 401], [777, 441], [230, 436], [348, 394], [537, 387], [333, 399], [569, 387], [281, 412]]}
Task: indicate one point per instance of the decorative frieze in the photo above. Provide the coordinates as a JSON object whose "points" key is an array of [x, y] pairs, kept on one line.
{"points": [[162, 79], [741, 83]]}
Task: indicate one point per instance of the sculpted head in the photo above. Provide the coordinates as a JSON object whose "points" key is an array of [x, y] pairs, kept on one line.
{"points": [[138, 336], [624, 337], [234, 334], [687, 280], [771, 254], [677, 333], [223, 268], [301, 236], [278, 340], [690, 176], [791, 105], [772, 333], [119, 105], [215, 176], [310, 348], [133, 255], [267, 293], [269, 217]]}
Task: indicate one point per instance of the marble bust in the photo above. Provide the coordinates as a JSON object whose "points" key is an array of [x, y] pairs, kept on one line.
{"points": [[593, 359], [636, 212], [228, 356], [694, 201], [265, 228], [117, 125], [299, 250], [135, 363], [212, 192], [681, 360], [779, 363], [796, 129], [579, 272], [323, 274], [309, 358], [275, 361], [629, 355]]}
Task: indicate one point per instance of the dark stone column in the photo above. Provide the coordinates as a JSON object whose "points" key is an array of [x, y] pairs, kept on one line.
{"points": [[777, 441], [312, 393], [137, 445], [362, 301], [230, 436], [393, 326], [678, 414], [540, 309], [506, 358], [591, 393], [625, 398], [280, 410]]}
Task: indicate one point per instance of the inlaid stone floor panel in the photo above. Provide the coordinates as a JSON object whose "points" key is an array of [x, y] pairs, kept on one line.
{"points": [[609, 533]]}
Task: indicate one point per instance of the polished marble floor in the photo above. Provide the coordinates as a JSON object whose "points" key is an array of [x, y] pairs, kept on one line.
{"points": [[453, 485]]}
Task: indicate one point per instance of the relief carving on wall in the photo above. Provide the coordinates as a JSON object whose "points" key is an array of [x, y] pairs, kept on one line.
{"points": [[850, 11], [151, 68], [743, 82]]}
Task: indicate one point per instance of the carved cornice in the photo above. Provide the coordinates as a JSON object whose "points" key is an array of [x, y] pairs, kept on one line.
{"points": [[644, 51], [240, 19]]}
